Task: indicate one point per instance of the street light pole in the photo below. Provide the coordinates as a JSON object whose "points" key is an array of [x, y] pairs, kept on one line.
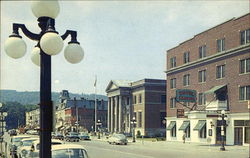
{"points": [[222, 148], [49, 43], [133, 122], [98, 126]]}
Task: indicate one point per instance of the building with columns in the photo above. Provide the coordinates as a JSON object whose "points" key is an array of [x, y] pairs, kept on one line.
{"points": [[144, 99]]}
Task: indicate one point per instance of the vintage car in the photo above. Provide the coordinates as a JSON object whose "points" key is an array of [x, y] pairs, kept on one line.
{"points": [[15, 143], [118, 139], [69, 151], [72, 137], [84, 136]]}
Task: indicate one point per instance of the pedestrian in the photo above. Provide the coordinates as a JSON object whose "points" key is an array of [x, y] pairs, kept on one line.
{"points": [[184, 137]]}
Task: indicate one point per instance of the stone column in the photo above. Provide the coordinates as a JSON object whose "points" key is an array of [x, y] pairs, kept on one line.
{"points": [[108, 121], [111, 115], [120, 115], [116, 113]]}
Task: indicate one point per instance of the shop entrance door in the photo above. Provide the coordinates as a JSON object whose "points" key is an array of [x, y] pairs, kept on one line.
{"points": [[238, 136]]}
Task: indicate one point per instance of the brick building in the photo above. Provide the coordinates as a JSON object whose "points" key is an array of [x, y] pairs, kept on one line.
{"points": [[215, 63], [144, 99]]}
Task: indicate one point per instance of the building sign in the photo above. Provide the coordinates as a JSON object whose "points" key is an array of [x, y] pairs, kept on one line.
{"points": [[185, 95], [180, 113]]}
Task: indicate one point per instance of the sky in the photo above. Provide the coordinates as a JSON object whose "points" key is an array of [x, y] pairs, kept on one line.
{"points": [[122, 40]]}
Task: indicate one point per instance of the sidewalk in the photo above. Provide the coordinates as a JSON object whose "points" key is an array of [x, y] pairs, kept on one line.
{"points": [[159, 145]]}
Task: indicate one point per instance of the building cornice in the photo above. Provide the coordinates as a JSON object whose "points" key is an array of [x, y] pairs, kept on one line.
{"points": [[209, 59]]}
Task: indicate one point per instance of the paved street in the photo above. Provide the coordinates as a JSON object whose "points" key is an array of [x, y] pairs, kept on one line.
{"points": [[158, 149]]}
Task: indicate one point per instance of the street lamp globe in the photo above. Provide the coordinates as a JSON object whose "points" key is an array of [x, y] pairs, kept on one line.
{"points": [[73, 53], [5, 114], [45, 8], [223, 112], [35, 56], [15, 47], [51, 43]]}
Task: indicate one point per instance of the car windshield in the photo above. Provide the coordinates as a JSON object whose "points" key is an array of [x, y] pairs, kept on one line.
{"points": [[17, 139], [69, 153], [121, 136], [27, 143], [74, 134]]}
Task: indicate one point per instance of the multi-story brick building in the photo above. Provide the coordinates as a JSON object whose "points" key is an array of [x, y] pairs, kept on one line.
{"points": [[215, 63], [144, 99]]}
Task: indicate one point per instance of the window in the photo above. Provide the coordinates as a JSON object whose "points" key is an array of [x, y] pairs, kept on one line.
{"points": [[173, 83], [202, 51], [163, 99], [245, 37], [173, 131], [245, 66], [221, 45], [186, 103], [172, 62], [140, 98], [203, 132], [162, 119], [135, 99], [172, 103], [139, 119], [187, 131], [244, 93], [127, 100], [186, 79], [186, 57], [202, 76], [220, 71], [201, 99]]}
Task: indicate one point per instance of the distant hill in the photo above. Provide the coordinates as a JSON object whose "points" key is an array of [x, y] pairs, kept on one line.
{"points": [[32, 97]]}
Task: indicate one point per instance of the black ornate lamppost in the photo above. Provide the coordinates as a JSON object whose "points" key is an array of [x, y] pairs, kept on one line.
{"points": [[49, 43], [223, 126], [133, 122], [99, 124]]}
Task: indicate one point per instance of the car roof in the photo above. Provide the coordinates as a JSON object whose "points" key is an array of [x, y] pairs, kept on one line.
{"points": [[30, 139], [67, 146], [52, 140], [21, 136]]}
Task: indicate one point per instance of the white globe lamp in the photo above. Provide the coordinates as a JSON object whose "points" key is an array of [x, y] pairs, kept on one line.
{"points": [[15, 47], [73, 53], [45, 8], [51, 43], [35, 56]]}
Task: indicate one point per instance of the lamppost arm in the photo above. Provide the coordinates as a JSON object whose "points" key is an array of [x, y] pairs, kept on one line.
{"points": [[26, 32], [73, 36]]}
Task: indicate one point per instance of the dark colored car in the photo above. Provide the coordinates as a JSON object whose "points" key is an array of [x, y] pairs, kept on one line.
{"points": [[58, 136], [84, 136], [12, 132], [72, 136]]}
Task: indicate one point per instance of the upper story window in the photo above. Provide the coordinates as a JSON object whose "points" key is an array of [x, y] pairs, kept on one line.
{"points": [[202, 51], [244, 93], [186, 57], [220, 71], [186, 80], [201, 99], [139, 119], [221, 45], [172, 103], [245, 66], [140, 98], [127, 100], [173, 83], [245, 37], [202, 76], [135, 99], [172, 62]]}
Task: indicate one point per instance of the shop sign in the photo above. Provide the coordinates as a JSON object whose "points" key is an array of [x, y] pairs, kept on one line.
{"points": [[185, 95], [180, 113]]}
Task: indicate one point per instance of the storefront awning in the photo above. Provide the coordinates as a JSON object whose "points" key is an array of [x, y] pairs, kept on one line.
{"points": [[184, 125], [171, 125], [215, 88], [200, 125]]}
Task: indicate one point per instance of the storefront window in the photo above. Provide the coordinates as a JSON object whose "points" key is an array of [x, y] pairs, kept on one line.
{"points": [[247, 135]]}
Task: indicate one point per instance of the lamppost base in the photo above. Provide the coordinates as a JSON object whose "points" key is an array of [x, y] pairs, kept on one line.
{"points": [[222, 148]]}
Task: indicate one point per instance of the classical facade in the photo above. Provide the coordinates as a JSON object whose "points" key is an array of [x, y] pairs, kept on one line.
{"points": [[32, 119], [216, 64], [143, 99]]}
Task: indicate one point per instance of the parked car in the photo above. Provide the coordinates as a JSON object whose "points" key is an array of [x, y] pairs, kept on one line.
{"points": [[32, 132], [33, 151], [25, 144], [118, 139], [72, 136], [69, 151], [58, 136], [15, 143], [84, 136]]}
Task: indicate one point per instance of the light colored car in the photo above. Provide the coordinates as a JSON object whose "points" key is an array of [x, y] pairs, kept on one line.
{"points": [[84, 136], [118, 139], [33, 150], [15, 143], [69, 151], [25, 145]]}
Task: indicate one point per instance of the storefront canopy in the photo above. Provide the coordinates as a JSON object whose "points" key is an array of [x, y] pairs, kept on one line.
{"points": [[171, 125], [215, 88], [200, 125], [184, 125]]}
